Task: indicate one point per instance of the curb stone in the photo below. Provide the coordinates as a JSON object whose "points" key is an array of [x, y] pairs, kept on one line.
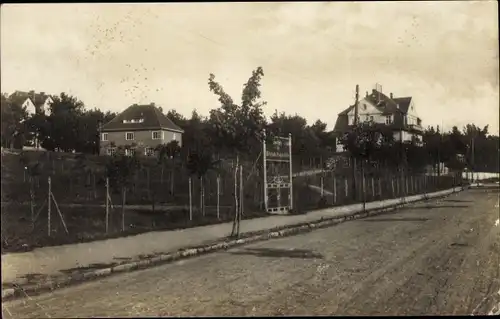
{"points": [[18, 291]]}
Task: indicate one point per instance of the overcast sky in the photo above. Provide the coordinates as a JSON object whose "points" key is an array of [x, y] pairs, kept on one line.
{"points": [[444, 54]]}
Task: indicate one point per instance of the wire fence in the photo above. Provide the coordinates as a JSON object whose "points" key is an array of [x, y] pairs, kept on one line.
{"points": [[168, 197]]}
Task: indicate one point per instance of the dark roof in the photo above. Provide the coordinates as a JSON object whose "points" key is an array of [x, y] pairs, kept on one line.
{"points": [[404, 103], [342, 124], [385, 104], [38, 99], [153, 119]]}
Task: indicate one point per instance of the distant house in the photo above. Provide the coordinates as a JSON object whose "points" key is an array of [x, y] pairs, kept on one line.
{"points": [[34, 102], [398, 114], [142, 128]]}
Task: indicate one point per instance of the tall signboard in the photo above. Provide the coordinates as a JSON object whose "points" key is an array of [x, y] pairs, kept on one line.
{"points": [[278, 188]]}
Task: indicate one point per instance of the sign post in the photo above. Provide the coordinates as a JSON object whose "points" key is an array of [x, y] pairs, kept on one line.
{"points": [[277, 160]]}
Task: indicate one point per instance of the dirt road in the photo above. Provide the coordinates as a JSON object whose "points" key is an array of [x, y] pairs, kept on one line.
{"points": [[439, 257]]}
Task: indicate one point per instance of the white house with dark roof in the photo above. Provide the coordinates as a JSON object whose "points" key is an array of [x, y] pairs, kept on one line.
{"points": [[399, 114], [34, 102], [142, 127]]}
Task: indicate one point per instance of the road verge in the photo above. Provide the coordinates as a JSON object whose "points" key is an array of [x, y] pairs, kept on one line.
{"points": [[357, 212]]}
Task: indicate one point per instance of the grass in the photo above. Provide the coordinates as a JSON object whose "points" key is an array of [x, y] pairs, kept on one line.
{"points": [[87, 223]]}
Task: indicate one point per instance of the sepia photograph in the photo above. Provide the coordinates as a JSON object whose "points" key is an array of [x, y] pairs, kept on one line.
{"points": [[322, 158]]}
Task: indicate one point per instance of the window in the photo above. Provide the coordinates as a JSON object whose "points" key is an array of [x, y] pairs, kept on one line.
{"points": [[104, 136], [129, 152], [364, 107], [111, 151], [157, 135], [371, 118], [388, 119], [174, 137], [129, 136], [148, 151]]}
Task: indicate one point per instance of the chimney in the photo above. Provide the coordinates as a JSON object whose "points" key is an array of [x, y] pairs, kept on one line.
{"points": [[366, 93], [391, 95], [42, 93], [32, 95], [152, 103]]}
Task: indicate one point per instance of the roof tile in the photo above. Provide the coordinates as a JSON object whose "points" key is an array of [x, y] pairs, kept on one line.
{"points": [[152, 116]]}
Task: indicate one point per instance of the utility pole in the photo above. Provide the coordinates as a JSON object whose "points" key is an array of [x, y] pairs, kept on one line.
{"points": [[472, 157], [356, 115], [439, 154]]}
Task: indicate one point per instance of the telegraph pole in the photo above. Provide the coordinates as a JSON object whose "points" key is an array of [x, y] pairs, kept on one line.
{"points": [[356, 112], [472, 157]]}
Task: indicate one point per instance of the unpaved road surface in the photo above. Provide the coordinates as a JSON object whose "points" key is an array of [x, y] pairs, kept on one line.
{"points": [[440, 257]]}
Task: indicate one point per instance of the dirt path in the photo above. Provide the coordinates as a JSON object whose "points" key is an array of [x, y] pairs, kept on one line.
{"points": [[440, 257]]}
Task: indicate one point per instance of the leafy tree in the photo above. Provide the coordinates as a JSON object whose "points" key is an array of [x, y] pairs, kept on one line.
{"points": [[362, 143], [13, 117], [120, 169], [238, 128], [199, 164], [168, 153], [63, 124]]}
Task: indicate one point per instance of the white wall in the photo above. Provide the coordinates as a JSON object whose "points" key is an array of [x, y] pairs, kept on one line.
{"points": [[30, 107], [46, 106], [367, 111]]}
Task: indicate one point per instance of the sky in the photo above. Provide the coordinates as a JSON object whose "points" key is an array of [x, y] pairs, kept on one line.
{"points": [[443, 54]]}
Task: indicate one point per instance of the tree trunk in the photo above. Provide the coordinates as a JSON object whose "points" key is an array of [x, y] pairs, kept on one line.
{"points": [[240, 212], [354, 178], [235, 221]]}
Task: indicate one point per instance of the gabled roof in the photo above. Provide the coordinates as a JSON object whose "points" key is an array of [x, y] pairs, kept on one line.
{"points": [[404, 103], [38, 99], [154, 119], [385, 104], [342, 124]]}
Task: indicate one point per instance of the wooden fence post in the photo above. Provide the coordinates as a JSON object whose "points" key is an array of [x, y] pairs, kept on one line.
{"points": [[321, 184], [49, 206], [392, 187], [380, 187], [218, 196], [373, 187], [334, 189], [190, 200], [107, 204], [346, 187]]}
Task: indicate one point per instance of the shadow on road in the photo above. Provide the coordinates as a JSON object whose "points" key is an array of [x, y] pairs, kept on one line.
{"points": [[396, 220], [279, 253], [432, 207], [88, 268], [458, 201]]}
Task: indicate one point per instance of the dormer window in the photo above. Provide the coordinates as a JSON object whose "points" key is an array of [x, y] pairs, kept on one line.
{"points": [[140, 120]]}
